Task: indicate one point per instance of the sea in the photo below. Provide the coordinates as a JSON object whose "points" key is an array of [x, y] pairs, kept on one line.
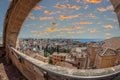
{"points": [[78, 40], [88, 40]]}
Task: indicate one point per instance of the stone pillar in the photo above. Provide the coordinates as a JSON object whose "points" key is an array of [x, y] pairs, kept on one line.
{"points": [[116, 5]]}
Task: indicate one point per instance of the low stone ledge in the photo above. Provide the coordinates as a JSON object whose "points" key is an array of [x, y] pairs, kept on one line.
{"points": [[67, 71]]}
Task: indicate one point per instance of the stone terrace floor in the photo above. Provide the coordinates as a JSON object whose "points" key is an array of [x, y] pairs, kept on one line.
{"points": [[3, 75], [9, 71]]}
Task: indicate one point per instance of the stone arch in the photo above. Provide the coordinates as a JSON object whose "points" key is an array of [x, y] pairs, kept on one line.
{"points": [[16, 15]]}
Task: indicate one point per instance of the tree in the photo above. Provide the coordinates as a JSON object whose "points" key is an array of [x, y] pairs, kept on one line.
{"points": [[50, 61], [58, 50], [46, 54], [66, 50], [46, 48]]}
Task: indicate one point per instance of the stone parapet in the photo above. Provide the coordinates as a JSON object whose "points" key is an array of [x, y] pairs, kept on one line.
{"points": [[44, 70]]}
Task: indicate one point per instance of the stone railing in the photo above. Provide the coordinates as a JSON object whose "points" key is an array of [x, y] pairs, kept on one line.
{"points": [[34, 69]]}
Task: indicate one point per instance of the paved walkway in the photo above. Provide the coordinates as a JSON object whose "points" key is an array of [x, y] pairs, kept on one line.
{"points": [[3, 75]]}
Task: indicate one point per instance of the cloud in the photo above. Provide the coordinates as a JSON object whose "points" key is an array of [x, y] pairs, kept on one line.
{"points": [[40, 26], [37, 7], [45, 32], [80, 32], [101, 9], [86, 7], [76, 27], [107, 34], [78, 1], [84, 23], [99, 23], [36, 33], [93, 1], [48, 29], [70, 32], [93, 30], [91, 16], [68, 17], [52, 29], [39, 33], [108, 26], [111, 19], [56, 29], [46, 18], [67, 6], [33, 31], [48, 12], [51, 12], [54, 24], [30, 16], [61, 34], [110, 7]]}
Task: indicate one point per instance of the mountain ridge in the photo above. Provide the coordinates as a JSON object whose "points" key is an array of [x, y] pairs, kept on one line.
{"points": [[113, 43]]}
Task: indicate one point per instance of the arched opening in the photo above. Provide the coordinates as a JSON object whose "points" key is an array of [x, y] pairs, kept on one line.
{"points": [[69, 26]]}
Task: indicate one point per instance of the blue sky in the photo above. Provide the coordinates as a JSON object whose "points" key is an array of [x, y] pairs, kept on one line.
{"points": [[68, 19], [4, 4]]}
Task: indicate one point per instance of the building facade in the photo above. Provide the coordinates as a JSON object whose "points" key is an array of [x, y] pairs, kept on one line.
{"points": [[58, 57], [106, 58]]}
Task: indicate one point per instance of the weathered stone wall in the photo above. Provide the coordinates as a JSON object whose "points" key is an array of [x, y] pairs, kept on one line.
{"points": [[105, 61], [43, 71], [116, 5], [15, 16], [3, 75], [26, 68], [1, 51]]}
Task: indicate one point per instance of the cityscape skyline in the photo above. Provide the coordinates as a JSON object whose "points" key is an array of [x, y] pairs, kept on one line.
{"points": [[88, 19]]}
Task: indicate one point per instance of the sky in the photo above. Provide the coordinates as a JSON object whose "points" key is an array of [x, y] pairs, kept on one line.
{"points": [[4, 4], [79, 19]]}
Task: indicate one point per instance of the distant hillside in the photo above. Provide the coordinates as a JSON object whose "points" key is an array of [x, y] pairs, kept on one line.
{"points": [[113, 43]]}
